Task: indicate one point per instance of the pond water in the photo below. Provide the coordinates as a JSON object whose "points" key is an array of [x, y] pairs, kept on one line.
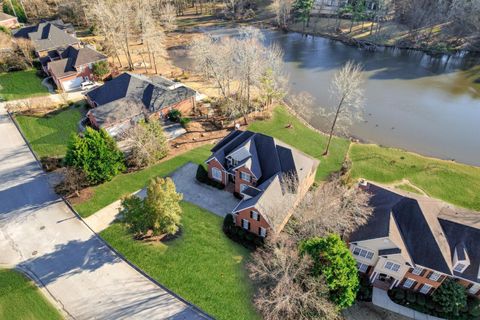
{"points": [[429, 105]]}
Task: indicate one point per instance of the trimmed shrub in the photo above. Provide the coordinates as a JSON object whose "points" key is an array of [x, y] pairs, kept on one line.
{"points": [[399, 295], [174, 115], [185, 121], [411, 297], [430, 304], [249, 240], [421, 300]]}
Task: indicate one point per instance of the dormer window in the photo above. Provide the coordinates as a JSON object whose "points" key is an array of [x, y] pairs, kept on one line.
{"points": [[460, 267]]}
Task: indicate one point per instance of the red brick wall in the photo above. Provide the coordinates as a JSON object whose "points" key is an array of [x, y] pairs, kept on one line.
{"points": [[185, 107], [86, 72], [254, 224], [215, 164], [239, 181]]}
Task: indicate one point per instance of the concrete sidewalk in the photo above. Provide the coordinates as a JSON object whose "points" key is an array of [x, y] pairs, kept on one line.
{"points": [[381, 299], [41, 236]]}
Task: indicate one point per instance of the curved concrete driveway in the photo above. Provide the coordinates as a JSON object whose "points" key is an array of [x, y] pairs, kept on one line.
{"points": [[39, 234]]}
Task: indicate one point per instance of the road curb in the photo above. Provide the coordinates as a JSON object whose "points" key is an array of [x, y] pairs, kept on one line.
{"points": [[202, 313]]}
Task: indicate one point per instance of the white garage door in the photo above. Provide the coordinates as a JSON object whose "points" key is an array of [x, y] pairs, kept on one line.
{"points": [[72, 84]]}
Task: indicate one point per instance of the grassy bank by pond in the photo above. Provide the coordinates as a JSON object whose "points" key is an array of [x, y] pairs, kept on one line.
{"points": [[286, 127], [202, 265], [452, 182], [21, 85], [20, 299], [49, 134], [123, 184]]}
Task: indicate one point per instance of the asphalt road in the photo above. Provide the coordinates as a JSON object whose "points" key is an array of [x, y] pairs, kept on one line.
{"points": [[41, 235]]}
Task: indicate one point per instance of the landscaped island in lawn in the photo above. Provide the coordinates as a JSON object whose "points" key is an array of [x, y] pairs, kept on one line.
{"points": [[124, 184], [21, 85], [202, 265], [20, 299], [49, 134]]}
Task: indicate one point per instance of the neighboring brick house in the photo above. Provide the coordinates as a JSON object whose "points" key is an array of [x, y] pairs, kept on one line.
{"points": [[270, 176], [48, 38], [416, 242], [8, 21], [123, 101], [74, 67]]}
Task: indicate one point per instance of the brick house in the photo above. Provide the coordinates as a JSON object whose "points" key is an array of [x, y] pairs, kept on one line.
{"points": [[270, 177], [48, 38], [8, 21], [123, 101], [73, 67], [415, 242]]}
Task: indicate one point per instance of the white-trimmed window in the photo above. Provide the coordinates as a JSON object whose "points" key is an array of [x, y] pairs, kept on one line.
{"points": [[255, 215], [460, 267], [363, 253], [362, 267], [243, 187], [262, 232], [217, 174], [245, 176], [425, 288], [245, 224], [408, 283], [417, 271], [435, 276], [473, 289], [392, 266]]}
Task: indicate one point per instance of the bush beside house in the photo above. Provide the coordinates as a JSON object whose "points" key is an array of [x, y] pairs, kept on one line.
{"points": [[334, 261], [247, 239]]}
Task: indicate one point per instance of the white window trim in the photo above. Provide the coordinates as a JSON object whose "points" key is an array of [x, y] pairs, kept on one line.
{"points": [[364, 253], [389, 265], [217, 171], [434, 276], [245, 224], [411, 282], [255, 215], [464, 266], [263, 232], [362, 267], [474, 289], [422, 289], [417, 271], [245, 176], [243, 187]]}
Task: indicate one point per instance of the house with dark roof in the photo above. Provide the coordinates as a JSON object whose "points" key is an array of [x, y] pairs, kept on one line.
{"points": [[416, 242], [123, 101], [72, 67], [48, 38], [270, 176], [8, 21]]}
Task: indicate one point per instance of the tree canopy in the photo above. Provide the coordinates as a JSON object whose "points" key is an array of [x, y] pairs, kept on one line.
{"points": [[96, 154], [333, 261], [452, 296]]}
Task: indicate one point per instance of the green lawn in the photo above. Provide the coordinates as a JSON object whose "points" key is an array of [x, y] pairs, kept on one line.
{"points": [[20, 299], [48, 135], [123, 184], [453, 182], [203, 266], [304, 139], [407, 187], [21, 85]]}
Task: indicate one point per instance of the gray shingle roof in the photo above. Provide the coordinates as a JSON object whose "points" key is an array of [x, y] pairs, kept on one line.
{"points": [[119, 94], [269, 159], [72, 58], [47, 36]]}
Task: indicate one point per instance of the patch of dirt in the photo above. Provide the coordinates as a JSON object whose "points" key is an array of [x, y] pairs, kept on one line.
{"points": [[83, 196]]}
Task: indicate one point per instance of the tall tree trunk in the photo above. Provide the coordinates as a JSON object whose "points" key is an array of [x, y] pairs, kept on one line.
{"points": [[333, 126], [155, 63], [13, 8]]}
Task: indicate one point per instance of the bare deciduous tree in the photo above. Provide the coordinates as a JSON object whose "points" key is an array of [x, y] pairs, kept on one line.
{"points": [[285, 288], [25, 46], [347, 89], [332, 208], [282, 12]]}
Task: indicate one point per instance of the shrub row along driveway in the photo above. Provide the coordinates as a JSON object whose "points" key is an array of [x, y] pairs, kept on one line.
{"points": [[39, 234], [217, 201]]}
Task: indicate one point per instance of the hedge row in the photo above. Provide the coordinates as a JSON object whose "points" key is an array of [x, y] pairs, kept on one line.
{"points": [[247, 239], [202, 176]]}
